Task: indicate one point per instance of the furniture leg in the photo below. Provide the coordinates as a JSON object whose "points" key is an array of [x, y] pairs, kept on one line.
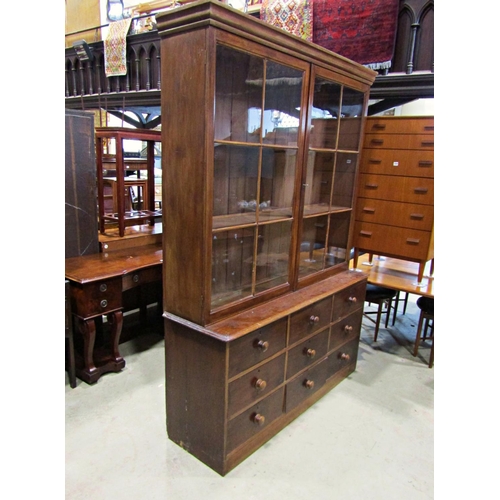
{"points": [[71, 358], [421, 268], [431, 272], [87, 328], [116, 322], [355, 258], [419, 331], [379, 314]]}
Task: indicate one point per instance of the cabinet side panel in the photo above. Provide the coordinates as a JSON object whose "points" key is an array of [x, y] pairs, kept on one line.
{"points": [[195, 392], [184, 160]]}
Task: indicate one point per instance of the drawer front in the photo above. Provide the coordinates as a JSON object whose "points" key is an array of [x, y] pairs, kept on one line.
{"points": [[387, 141], [256, 384], [94, 299], [379, 125], [343, 356], [348, 301], [345, 330], [389, 240], [421, 141], [310, 319], [141, 277], [307, 353], [418, 190], [254, 420], [257, 346], [305, 384], [398, 162], [394, 213]]}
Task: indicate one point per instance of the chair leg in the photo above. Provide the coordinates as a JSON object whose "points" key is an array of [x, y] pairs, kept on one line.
{"points": [[379, 316], [396, 304], [431, 358], [389, 305], [419, 331]]}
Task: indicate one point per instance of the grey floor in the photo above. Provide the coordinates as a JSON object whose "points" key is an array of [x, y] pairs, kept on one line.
{"points": [[372, 437]]}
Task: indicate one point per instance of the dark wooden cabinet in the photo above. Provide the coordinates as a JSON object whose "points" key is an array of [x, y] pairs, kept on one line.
{"points": [[395, 205], [260, 168]]}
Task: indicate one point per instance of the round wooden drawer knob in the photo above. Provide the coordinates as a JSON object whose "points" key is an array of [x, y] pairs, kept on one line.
{"points": [[345, 356], [104, 303], [263, 345], [103, 287], [347, 329], [259, 419], [353, 300], [313, 319], [310, 353], [309, 384], [260, 384]]}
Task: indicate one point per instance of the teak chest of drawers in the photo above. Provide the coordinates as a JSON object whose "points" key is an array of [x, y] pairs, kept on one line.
{"points": [[395, 204], [235, 384]]}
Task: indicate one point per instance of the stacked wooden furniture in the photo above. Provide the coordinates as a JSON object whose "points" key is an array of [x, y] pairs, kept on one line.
{"points": [[115, 205], [395, 205], [262, 314]]}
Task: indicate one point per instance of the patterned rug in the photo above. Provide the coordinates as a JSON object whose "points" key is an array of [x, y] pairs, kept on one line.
{"points": [[115, 48], [294, 16], [361, 30]]}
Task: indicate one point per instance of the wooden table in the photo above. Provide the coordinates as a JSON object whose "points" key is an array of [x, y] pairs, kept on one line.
{"points": [[400, 275], [97, 283]]}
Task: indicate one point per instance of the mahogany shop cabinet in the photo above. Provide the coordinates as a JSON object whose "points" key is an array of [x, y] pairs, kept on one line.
{"points": [[260, 156], [395, 205]]}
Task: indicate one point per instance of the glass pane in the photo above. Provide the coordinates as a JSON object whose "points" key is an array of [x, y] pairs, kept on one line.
{"points": [[273, 251], [319, 175], [282, 104], [343, 185], [325, 114], [312, 247], [338, 235], [277, 183], [350, 119], [232, 259], [235, 185], [238, 98]]}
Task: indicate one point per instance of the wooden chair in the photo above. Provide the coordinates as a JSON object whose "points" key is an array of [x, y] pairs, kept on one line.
{"points": [[381, 296], [426, 320]]}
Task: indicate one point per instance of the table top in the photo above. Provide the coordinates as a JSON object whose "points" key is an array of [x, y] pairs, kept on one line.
{"points": [[397, 274], [105, 265]]}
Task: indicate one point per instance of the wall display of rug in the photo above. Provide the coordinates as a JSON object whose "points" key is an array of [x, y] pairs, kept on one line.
{"points": [[293, 16], [361, 30], [115, 48]]}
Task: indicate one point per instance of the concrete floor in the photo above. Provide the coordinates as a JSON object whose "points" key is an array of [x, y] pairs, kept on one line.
{"points": [[372, 437]]}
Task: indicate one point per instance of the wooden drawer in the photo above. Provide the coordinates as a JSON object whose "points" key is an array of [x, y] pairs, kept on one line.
{"points": [[257, 346], [256, 384], [418, 190], [398, 162], [96, 298], [141, 277], [305, 384], [342, 357], [410, 125], [390, 240], [345, 330], [254, 420], [395, 213], [403, 141], [307, 353], [310, 319], [348, 301]]}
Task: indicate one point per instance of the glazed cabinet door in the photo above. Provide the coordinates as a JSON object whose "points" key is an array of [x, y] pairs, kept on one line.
{"points": [[256, 152], [335, 120]]}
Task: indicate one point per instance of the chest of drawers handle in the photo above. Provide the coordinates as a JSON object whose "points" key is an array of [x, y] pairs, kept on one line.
{"points": [[263, 345], [371, 186], [260, 384], [135, 278], [377, 141], [420, 190], [352, 300], [347, 329], [417, 216], [308, 384], [345, 356], [314, 319], [375, 160], [429, 127], [104, 303], [310, 353], [428, 144], [365, 233], [425, 163], [369, 210], [103, 287], [379, 126], [259, 419], [412, 241]]}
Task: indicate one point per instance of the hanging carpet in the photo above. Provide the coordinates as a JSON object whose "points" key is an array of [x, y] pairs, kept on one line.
{"points": [[293, 16], [361, 30], [115, 48]]}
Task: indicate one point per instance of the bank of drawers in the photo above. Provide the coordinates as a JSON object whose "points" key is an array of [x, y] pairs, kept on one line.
{"points": [[395, 203], [274, 369]]}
